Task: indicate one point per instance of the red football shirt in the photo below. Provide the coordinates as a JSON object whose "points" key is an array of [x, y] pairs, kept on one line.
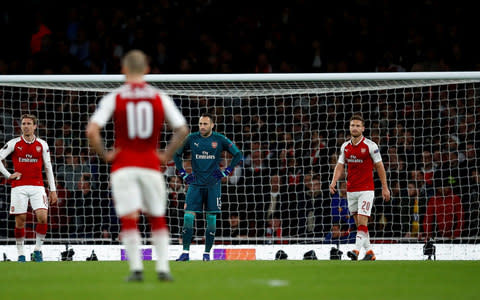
{"points": [[28, 159], [359, 160], [138, 111]]}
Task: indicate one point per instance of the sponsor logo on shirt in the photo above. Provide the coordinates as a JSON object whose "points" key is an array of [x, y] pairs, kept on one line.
{"points": [[28, 159], [354, 159], [204, 155]]}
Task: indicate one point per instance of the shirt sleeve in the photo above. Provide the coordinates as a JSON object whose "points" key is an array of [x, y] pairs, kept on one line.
{"points": [[104, 111], [4, 152], [172, 114], [374, 153], [48, 167], [341, 157], [233, 149]]}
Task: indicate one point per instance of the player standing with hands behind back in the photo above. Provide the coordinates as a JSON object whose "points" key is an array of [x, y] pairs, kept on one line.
{"points": [[139, 111], [28, 155], [361, 156], [204, 191]]}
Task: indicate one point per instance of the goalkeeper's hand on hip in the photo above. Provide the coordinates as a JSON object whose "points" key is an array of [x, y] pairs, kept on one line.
{"points": [[219, 174], [187, 178]]}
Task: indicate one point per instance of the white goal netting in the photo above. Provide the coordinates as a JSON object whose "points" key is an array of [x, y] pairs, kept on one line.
{"points": [[290, 128]]}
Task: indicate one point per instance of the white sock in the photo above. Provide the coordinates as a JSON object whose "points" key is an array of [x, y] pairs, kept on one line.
{"points": [[366, 242], [160, 240], [39, 238], [131, 241], [360, 240], [20, 247]]}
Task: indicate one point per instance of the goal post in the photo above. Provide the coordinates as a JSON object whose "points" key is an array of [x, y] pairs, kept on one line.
{"points": [[290, 128]]}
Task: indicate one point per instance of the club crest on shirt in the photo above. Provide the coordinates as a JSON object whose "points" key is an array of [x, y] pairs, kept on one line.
{"points": [[12, 209], [364, 150], [38, 148], [214, 145]]}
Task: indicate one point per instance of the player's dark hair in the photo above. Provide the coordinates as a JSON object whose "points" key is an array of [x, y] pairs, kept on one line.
{"points": [[208, 115], [29, 116], [358, 118]]}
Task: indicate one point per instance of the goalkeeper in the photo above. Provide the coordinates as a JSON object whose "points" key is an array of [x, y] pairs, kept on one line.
{"points": [[204, 192]]}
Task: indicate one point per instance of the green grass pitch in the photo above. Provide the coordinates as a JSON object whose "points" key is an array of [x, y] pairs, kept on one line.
{"points": [[197, 280]]}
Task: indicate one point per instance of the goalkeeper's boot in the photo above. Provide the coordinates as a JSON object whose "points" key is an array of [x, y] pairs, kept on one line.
{"points": [[135, 276], [37, 256], [369, 255], [353, 254], [164, 276], [21, 258], [184, 257], [206, 257]]}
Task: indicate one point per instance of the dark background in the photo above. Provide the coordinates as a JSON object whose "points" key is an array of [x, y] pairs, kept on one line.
{"points": [[241, 37]]}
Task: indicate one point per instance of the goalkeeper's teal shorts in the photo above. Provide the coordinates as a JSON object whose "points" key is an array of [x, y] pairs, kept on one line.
{"points": [[201, 198]]}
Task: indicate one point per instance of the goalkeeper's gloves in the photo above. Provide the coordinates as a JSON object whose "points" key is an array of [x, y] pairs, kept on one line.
{"points": [[187, 178], [219, 174]]}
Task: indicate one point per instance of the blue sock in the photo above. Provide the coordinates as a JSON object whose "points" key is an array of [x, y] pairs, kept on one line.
{"points": [[187, 232], [210, 232]]}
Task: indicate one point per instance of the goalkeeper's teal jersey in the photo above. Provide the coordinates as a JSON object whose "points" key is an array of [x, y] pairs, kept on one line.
{"points": [[206, 155]]}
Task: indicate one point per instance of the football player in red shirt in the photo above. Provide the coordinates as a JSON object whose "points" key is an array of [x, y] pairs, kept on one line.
{"points": [[29, 154], [139, 111], [360, 155]]}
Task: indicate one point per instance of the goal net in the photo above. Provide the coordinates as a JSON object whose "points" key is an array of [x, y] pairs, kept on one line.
{"points": [[290, 128]]}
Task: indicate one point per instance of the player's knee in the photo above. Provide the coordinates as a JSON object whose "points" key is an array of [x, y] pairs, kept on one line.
{"points": [[188, 219], [211, 221]]}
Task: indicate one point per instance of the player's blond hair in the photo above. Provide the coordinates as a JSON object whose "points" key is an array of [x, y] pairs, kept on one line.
{"points": [[135, 61], [29, 116]]}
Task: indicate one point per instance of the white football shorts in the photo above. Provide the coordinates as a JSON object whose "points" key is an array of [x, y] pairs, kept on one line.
{"points": [[139, 189], [360, 202], [21, 195]]}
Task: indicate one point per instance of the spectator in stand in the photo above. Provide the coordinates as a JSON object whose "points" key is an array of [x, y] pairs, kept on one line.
{"points": [[444, 217], [473, 208], [176, 200], [343, 228], [428, 170], [236, 228], [88, 210], [274, 233], [71, 172]]}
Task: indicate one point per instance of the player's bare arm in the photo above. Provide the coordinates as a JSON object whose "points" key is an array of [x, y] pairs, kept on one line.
{"points": [[337, 173], [383, 178], [179, 135], [53, 197], [96, 142]]}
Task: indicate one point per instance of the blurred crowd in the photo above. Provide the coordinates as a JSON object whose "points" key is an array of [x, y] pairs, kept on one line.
{"points": [[211, 36], [428, 139]]}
